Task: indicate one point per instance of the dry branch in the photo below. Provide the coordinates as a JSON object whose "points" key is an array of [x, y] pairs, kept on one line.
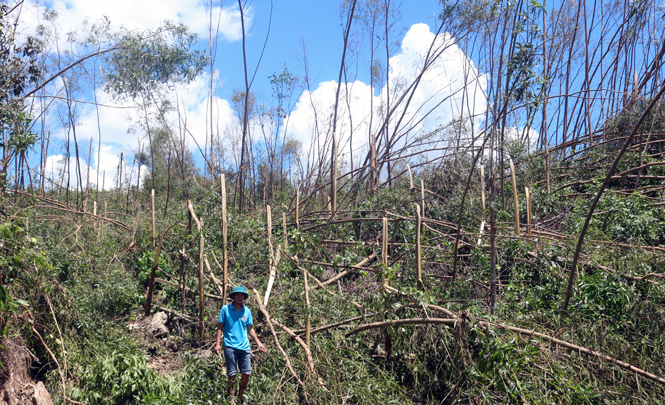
{"points": [[279, 346], [308, 353], [316, 280]]}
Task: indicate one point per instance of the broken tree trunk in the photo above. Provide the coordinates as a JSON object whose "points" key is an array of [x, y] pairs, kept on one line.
{"points": [[419, 274], [201, 246], [225, 256], [517, 208]]}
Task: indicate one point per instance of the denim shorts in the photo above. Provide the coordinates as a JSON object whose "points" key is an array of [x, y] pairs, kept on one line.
{"points": [[235, 358]]}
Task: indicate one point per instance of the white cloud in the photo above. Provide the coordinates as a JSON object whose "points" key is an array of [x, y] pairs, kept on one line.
{"points": [[437, 99], [132, 14]]}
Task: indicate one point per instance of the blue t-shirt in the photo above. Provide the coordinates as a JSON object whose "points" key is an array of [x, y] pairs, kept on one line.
{"points": [[235, 326]]}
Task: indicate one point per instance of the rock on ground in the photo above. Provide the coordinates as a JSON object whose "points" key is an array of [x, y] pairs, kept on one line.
{"points": [[158, 325]]}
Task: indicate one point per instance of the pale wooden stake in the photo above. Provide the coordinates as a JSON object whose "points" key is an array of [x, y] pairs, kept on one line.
{"points": [[527, 191], [308, 325], [372, 165], [480, 236], [329, 206], [421, 286], [271, 259], [410, 177], [269, 231], [225, 257], [201, 246], [286, 242], [482, 186], [333, 187], [297, 207], [152, 200], [422, 198], [384, 250], [517, 208]]}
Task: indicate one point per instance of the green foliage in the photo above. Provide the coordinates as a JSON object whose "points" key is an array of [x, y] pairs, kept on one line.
{"points": [[150, 58], [144, 265], [120, 377], [114, 292], [602, 295], [630, 219]]}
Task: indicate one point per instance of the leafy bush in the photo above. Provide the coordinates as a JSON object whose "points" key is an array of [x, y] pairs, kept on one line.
{"points": [[601, 294], [120, 378], [114, 292]]}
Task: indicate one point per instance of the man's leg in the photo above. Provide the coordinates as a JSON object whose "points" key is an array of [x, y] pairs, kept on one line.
{"points": [[244, 378], [231, 370], [245, 362], [232, 386]]}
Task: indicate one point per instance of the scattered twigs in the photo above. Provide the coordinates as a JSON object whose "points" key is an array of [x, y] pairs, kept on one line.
{"points": [[316, 280], [308, 353], [135, 227], [228, 279], [112, 221], [358, 266], [645, 277]]}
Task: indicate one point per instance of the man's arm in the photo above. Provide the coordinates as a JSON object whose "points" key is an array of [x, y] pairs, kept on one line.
{"points": [[220, 327], [252, 333]]}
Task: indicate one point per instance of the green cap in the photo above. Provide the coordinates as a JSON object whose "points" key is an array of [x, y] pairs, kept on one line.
{"points": [[239, 289]]}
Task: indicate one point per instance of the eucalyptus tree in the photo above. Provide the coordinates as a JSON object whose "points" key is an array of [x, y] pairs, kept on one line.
{"points": [[19, 72], [148, 61]]}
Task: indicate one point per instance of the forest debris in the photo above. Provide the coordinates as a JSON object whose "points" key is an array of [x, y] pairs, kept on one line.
{"points": [[524, 332], [308, 353], [358, 266], [279, 346], [320, 284]]}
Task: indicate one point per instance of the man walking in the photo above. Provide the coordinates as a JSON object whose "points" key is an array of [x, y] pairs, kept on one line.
{"points": [[235, 321]]}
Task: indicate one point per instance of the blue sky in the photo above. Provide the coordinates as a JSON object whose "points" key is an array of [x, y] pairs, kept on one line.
{"points": [[318, 23]]}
